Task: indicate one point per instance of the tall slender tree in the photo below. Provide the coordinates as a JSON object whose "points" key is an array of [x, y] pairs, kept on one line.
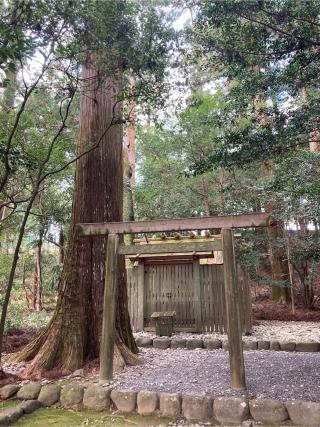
{"points": [[74, 333]]}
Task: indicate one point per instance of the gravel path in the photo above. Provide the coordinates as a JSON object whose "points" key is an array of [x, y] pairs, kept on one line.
{"points": [[266, 330], [279, 375]]}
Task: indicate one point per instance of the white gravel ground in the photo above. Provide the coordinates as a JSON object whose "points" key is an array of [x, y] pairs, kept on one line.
{"points": [[279, 375], [266, 330]]}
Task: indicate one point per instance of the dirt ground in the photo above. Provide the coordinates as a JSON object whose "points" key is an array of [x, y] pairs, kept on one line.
{"points": [[16, 339], [269, 310]]}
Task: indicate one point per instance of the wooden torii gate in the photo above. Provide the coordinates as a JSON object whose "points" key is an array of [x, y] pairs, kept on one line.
{"points": [[112, 230]]}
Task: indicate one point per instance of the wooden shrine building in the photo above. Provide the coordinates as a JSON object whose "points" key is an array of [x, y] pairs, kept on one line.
{"points": [[174, 273], [191, 283]]}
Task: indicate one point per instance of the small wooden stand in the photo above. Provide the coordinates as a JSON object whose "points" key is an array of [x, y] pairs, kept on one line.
{"points": [[164, 322]]}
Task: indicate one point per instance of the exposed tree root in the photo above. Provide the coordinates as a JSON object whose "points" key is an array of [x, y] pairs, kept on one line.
{"points": [[48, 351], [128, 356]]}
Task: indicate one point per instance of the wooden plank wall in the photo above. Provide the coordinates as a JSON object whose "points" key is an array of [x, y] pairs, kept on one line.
{"points": [[170, 287], [213, 303], [132, 289]]}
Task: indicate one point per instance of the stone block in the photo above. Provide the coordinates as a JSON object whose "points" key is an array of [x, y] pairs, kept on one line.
{"points": [[250, 345], [268, 410], [287, 345], [197, 407], [304, 413], [125, 400], [263, 345], [78, 373], [193, 343], [178, 343], [231, 410], [97, 398], [29, 391], [71, 396], [225, 344], [170, 404], [13, 414], [162, 343], [4, 420], [308, 346], [49, 394], [147, 402], [212, 344], [274, 345], [144, 342], [29, 406], [248, 423], [8, 391]]}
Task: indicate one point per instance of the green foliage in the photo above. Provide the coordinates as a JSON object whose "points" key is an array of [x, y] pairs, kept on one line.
{"points": [[5, 262], [169, 183], [268, 51], [19, 318]]}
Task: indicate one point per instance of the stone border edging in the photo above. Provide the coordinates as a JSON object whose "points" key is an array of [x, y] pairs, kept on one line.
{"points": [[11, 415], [214, 344], [224, 410]]}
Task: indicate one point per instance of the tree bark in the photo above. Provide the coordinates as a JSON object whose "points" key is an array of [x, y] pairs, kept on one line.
{"points": [[35, 284], [73, 335], [29, 298], [277, 251], [61, 246], [314, 144], [38, 273], [129, 165], [205, 187], [221, 193]]}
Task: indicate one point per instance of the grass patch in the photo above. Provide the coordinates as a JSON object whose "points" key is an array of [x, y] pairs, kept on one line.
{"points": [[8, 404], [49, 417]]}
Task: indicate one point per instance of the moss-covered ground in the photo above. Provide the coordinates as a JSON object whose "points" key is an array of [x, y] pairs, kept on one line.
{"points": [[7, 404], [49, 417]]}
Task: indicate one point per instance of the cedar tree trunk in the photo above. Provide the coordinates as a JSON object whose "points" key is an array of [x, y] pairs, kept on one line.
{"points": [[61, 246], [277, 250], [129, 164], [73, 335]]}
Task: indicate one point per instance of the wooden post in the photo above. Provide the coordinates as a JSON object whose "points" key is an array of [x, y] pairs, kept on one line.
{"points": [[233, 312], [109, 309], [140, 320], [197, 295]]}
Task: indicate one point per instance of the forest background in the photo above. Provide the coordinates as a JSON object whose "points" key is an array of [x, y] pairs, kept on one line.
{"points": [[217, 113]]}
